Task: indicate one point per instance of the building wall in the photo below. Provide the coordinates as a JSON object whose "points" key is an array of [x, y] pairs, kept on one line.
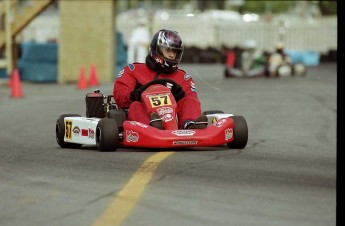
{"points": [[319, 34], [86, 36]]}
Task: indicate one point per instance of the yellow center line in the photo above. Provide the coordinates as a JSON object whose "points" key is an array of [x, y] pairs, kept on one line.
{"points": [[125, 200]]}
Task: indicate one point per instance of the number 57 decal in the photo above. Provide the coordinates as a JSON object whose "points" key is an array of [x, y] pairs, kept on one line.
{"points": [[160, 100]]}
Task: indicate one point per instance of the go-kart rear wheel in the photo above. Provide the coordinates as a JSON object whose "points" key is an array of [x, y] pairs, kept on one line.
{"points": [[240, 133], [119, 115], [60, 131], [107, 135]]}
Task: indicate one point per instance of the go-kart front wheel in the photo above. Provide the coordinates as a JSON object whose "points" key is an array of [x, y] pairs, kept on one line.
{"points": [[299, 69], [284, 70], [60, 131], [240, 133], [107, 135]]}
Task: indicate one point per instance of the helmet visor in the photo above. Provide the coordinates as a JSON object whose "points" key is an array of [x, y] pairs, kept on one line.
{"points": [[170, 54]]}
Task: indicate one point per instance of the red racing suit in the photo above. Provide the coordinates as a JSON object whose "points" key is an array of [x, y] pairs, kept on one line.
{"points": [[127, 80]]}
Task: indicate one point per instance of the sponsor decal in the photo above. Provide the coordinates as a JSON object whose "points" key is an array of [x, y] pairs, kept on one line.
{"points": [[214, 120], [132, 136], [165, 110], [119, 75], [183, 132], [135, 123], [167, 118], [141, 124], [185, 142], [131, 67], [76, 130], [159, 60], [169, 85], [192, 86], [68, 129], [84, 132], [228, 133], [165, 113], [91, 133], [220, 123], [187, 76]]}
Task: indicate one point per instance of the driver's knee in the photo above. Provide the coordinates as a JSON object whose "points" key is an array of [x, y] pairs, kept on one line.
{"points": [[137, 112]]}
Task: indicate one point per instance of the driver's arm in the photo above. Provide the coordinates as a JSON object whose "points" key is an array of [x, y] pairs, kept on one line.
{"points": [[125, 83], [189, 88]]}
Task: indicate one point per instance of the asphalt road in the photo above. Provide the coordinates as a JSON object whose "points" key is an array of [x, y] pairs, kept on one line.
{"points": [[285, 176]]}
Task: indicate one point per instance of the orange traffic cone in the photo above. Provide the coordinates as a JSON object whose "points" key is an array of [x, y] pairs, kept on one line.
{"points": [[82, 83], [16, 87], [93, 76]]}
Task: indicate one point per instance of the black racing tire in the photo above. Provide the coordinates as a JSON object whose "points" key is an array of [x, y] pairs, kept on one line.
{"points": [[213, 112], [119, 115], [107, 135], [240, 133], [60, 131]]}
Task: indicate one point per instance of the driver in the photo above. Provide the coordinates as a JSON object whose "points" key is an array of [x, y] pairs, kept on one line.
{"points": [[165, 53]]}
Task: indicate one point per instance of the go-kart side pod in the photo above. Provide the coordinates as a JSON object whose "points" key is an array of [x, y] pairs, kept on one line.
{"points": [[60, 131], [107, 135], [240, 133]]}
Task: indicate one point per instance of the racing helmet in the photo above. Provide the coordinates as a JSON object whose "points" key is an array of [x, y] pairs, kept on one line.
{"points": [[167, 39]]}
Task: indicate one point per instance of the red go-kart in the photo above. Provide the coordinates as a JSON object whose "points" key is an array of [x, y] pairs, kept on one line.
{"points": [[107, 127]]}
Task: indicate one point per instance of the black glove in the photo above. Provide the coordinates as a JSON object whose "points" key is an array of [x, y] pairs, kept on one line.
{"points": [[136, 94], [178, 92]]}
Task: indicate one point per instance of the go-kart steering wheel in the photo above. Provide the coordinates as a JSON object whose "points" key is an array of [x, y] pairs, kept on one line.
{"points": [[176, 89], [160, 81]]}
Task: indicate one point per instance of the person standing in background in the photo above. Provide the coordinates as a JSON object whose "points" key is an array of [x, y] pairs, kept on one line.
{"points": [[138, 45]]}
